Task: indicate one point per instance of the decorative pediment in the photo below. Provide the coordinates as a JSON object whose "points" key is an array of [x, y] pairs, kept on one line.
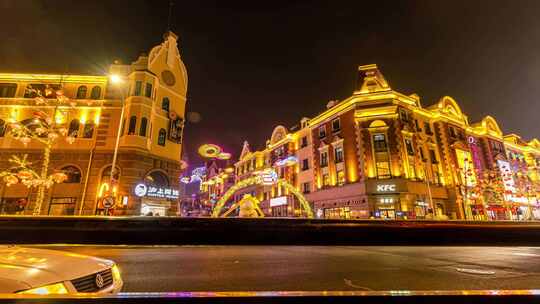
{"points": [[450, 107], [535, 143], [279, 133], [336, 140], [488, 125], [372, 79], [245, 150]]}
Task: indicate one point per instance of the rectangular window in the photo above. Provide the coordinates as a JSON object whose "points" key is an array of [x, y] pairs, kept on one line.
{"points": [[403, 115], [305, 164], [433, 157], [381, 156], [336, 125], [383, 168], [322, 132], [379, 143], [62, 206], [138, 88], [341, 178], [304, 142], [326, 180], [338, 154], [148, 90], [306, 187], [417, 125], [436, 174], [427, 126], [422, 154], [452, 132], [408, 145], [324, 159], [8, 89]]}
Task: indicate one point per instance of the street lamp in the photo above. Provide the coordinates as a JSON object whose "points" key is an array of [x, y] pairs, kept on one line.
{"points": [[118, 81]]}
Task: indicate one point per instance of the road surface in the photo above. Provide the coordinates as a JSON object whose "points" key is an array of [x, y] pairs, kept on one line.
{"points": [[269, 268]]}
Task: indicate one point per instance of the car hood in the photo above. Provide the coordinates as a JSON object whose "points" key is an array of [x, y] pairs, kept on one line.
{"points": [[37, 267]]}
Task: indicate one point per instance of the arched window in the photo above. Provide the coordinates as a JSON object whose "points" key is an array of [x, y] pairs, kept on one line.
{"points": [[165, 104], [161, 137], [81, 92], [142, 130], [73, 128], [73, 174], [132, 124], [157, 178], [88, 130], [2, 128], [106, 175], [96, 92]]}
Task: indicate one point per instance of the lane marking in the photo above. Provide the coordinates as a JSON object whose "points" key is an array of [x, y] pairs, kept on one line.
{"points": [[526, 254], [475, 271], [351, 284]]}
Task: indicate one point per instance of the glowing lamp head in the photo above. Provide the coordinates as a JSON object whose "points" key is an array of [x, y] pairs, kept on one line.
{"points": [[116, 79]]}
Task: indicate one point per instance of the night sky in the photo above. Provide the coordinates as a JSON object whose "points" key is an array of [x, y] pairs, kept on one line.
{"points": [[252, 67]]}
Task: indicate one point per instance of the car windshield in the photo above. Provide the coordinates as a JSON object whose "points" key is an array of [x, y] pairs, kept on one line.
{"points": [[205, 149]]}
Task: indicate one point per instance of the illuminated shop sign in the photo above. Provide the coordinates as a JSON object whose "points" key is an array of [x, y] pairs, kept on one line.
{"points": [[386, 188], [267, 177], [278, 201], [143, 190], [288, 161], [508, 182]]}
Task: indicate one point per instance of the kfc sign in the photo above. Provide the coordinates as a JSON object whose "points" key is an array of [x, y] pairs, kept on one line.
{"points": [[386, 188]]}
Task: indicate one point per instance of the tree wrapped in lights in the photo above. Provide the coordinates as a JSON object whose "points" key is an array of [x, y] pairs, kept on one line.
{"points": [[45, 128]]}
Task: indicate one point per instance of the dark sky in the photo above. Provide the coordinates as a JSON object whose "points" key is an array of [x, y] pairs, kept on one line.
{"points": [[253, 66]]}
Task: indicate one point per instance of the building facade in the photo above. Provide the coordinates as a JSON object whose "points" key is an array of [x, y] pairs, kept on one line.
{"points": [[382, 154], [151, 93]]}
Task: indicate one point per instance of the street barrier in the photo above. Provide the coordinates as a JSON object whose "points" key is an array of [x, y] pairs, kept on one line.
{"points": [[265, 231]]}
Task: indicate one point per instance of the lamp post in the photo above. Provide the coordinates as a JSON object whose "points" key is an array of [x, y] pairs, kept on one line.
{"points": [[116, 80]]}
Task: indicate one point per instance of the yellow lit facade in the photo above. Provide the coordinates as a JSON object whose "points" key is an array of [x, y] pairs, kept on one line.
{"points": [[152, 92], [382, 154]]}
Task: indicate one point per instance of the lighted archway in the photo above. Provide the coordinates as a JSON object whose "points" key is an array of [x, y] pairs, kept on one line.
{"points": [[257, 180]]}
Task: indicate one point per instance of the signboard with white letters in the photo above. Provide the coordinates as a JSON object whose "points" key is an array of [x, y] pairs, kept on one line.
{"points": [[143, 190], [386, 188], [278, 201]]}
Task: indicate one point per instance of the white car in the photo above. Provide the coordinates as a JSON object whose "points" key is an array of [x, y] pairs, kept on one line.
{"points": [[26, 270]]}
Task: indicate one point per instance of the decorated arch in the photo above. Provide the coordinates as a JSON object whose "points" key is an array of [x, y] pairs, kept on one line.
{"points": [[278, 134], [491, 126], [449, 105], [267, 177]]}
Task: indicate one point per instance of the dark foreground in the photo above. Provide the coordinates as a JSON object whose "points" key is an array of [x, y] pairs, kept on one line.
{"points": [[235, 231], [273, 268]]}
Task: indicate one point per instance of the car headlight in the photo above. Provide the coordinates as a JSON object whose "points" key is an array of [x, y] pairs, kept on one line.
{"points": [[116, 273], [58, 288]]}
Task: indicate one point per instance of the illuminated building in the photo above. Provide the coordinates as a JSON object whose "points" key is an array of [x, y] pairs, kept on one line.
{"points": [[382, 154], [217, 179], [152, 90]]}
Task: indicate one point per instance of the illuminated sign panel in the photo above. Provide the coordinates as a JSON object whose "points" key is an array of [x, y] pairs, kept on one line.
{"points": [[508, 182], [268, 177], [143, 190], [386, 188], [278, 201]]}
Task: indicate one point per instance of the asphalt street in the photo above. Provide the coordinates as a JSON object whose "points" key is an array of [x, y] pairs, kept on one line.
{"points": [[292, 268]]}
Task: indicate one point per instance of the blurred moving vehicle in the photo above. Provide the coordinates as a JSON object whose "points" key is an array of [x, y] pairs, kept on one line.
{"points": [[26, 270]]}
